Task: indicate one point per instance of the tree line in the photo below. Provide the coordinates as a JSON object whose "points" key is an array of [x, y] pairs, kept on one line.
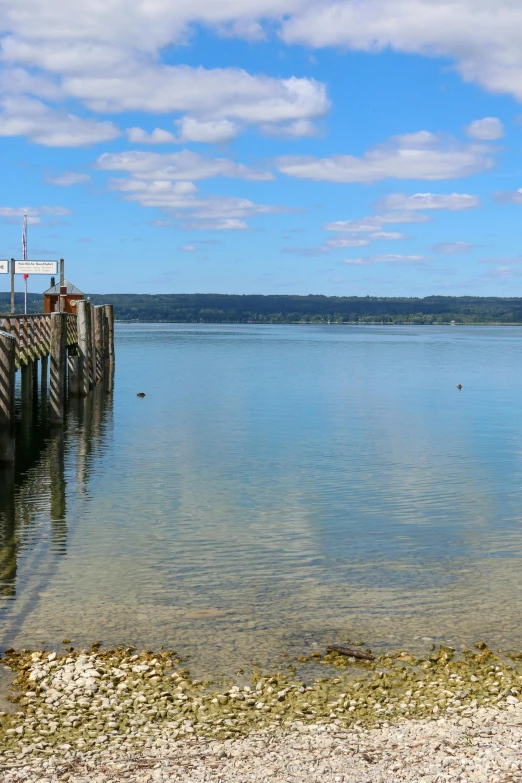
{"points": [[313, 309], [287, 309]]}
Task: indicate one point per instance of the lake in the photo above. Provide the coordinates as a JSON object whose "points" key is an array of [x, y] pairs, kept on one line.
{"points": [[278, 489]]}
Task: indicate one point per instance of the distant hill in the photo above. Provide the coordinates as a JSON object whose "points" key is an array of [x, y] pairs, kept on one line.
{"points": [[231, 308], [274, 309]]}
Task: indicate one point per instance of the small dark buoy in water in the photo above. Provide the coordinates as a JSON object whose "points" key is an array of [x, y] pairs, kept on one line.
{"points": [[458, 387], [140, 394]]}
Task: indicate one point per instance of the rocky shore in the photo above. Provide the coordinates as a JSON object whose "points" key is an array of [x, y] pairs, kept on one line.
{"points": [[117, 714]]}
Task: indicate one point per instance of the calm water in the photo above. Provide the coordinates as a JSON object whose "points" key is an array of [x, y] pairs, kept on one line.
{"points": [[278, 488]]}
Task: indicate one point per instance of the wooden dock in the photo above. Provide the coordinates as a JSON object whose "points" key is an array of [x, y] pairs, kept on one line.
{"points": [[76, 352]]}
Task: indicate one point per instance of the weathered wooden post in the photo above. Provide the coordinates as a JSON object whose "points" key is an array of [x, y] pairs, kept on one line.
{"points": [[84, 312], [35, 380], [109, 315], [26, 371], [58, 366], [93, 348], [109, 347], [73, 371], [99, 342], [7, 397], [106, 350], [44, 385]]}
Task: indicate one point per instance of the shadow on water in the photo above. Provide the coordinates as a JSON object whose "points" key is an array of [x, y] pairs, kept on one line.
{"points": [[33, 496]]}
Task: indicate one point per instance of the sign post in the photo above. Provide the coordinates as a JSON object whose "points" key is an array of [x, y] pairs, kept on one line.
{"points": [[63, 289], [24, 253], [27, 268], [12, 286], [35, 267], [26, 278]]}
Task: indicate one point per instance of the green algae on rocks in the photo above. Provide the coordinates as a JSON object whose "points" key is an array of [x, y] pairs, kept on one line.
{"points": [[120, 699]]}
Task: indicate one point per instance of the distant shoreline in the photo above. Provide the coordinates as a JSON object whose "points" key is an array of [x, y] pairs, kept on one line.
{"points": [[315, 323], [290, 309]]}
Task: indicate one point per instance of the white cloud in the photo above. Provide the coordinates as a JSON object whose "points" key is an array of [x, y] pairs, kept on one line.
{"points": [[483, 38], [451, 201], [145, 27], [351, 240], [345, 242], [69, 178], [356, 241], [296, 130], [20, 116], [183, 202], [34, 214], [375, 223], [452, 248], [108, 54], [420, 155], [509, 196], [218, 224], [129, 82], [190, 129], [209, 132], [229, 93], [388, 235], [188, 249], [158, 136], [385, 259], [109, 59], [487, 129], [184, 165]]}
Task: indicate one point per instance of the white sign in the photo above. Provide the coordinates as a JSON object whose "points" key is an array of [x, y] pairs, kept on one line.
{"points": [[36, 267], [4, 267]]}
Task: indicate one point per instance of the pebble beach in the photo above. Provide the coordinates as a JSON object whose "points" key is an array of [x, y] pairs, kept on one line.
{"points": [[119, 714]]}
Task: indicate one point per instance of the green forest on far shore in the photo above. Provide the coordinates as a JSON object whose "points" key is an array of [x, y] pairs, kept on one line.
{"points": [[312, 309]]}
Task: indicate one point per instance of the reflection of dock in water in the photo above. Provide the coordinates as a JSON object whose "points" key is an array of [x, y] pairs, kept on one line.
{"points": [[33, 490]]}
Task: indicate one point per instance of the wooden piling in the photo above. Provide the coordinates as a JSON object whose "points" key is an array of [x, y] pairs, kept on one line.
{"points": [[109, 321], [73, 374], [99, 342], [44, 385], [58, 367], [27, 383], [106, 351], [7, 397], [109, 347], [93, 350], [84, 310], [35, 382]]}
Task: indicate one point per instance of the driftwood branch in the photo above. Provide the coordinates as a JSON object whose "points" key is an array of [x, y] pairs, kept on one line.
{"points": [[362, 654]]}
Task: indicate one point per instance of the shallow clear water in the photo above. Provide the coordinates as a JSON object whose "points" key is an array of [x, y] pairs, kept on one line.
{"points": [[278, 488]]}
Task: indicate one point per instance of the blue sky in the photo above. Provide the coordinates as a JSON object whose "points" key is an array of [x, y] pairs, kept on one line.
{"points": [[276, 146]]}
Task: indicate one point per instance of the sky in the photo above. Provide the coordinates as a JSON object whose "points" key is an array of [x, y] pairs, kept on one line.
{"points": [[339, 147]]}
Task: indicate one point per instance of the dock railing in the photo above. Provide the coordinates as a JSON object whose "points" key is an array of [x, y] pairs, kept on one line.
{"points": [[81, 350]]}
